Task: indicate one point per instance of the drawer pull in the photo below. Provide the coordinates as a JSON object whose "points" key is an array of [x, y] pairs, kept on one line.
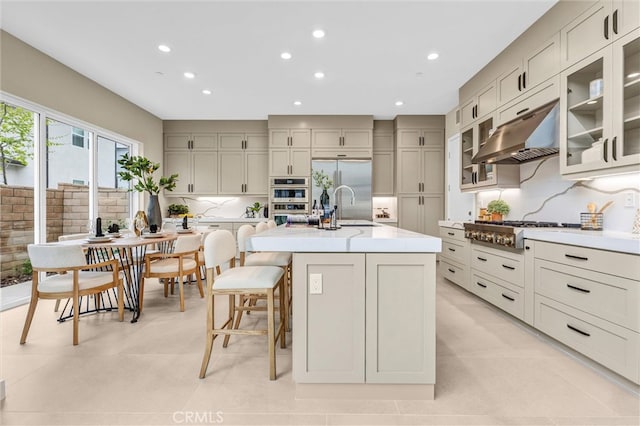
{"points": [[481, 285], [572, 256], [511, 268], [582, 290], [508, 297], [214, 226], [451, 249], [450, 233], [584, 333], [482, 258], [452, 271]]}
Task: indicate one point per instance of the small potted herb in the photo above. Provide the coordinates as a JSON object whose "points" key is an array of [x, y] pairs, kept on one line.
{"points": [[255, 209], [177, 210], [497, 209]]}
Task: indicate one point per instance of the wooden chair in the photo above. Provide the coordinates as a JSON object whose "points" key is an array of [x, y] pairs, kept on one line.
{"points": [[174, 266], [219, 248], [73, 279], [279, 259]]}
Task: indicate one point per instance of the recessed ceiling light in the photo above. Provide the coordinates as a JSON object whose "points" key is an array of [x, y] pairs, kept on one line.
{"points": [[189, 75], [206, 92], [319, 75], [164, 48], [318, 33], [432, 56], [399, 103], [285, 55], [297, 103], [633, 75]]}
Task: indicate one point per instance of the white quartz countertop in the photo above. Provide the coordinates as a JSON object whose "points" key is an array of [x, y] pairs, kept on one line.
{"points": [[458, 224], [378, 238], [624, 242], [221, 219]]}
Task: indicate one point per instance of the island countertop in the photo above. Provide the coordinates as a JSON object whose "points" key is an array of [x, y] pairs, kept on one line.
{"points": [[369, 238]]}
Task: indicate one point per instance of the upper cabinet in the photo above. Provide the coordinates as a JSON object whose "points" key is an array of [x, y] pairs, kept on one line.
{"points": [[190, 141], [342, 143], [194, 157], [529, 71], [600, 111], [383, 160], [290, 152], [290, 138], [242, 141], [481, 104], [597, 27]]}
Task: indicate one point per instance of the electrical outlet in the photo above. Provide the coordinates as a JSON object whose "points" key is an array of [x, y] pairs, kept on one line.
{"points": [[315, 283], [629, 199]]}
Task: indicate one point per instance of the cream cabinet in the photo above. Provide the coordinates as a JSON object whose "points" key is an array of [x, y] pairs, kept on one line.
{"points": [[455, 257], [231, 141], [197, 172], [342, 138], [589, 299], [420, 170], [600, 111], [383, 163], [243, 172], [483, 103], [483, 176], [597, 27], [526, 73], [413, 138], [190, 141], [543, 93], [420, 213], [290, 152], [372, 293]]}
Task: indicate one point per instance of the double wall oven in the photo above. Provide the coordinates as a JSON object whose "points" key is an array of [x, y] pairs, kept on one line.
{"points": [[288, 195]]}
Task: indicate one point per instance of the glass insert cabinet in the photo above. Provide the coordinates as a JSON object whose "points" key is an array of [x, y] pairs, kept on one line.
{"points": [[600, 104]]}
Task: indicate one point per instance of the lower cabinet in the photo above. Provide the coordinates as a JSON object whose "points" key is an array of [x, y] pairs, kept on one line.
{"points": [[455, 256], [420, 213], [373, 322]]}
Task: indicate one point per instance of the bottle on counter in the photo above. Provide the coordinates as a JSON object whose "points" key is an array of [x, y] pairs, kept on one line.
{"points": [[314, 209]]}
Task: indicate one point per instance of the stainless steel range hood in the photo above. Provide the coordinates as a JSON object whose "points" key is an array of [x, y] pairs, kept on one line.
{"points": [[527, 138]]}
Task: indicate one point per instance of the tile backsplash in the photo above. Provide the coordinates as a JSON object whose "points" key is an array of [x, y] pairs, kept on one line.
{"points": [[228, 207], [548, 197]]}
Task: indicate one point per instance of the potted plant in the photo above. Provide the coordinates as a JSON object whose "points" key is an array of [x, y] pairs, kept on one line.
{"points": [[497, 208], [178, 210], [140, 170], [255, 209], [322, 181]]}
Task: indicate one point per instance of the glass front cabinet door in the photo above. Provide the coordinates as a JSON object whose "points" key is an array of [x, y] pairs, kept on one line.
{"points": [[600, 104]]}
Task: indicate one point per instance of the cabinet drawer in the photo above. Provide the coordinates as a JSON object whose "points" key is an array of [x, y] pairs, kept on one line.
{"points": [[221, 225], [546, 92], [340, 153], [610, 298], [455, 252], [507, 297], [607, 262], [614, 347], [506, 266], [452, 234], [452, 272]]}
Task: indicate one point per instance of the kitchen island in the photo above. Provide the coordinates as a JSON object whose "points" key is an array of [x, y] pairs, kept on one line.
{"points": [[363, 309]]}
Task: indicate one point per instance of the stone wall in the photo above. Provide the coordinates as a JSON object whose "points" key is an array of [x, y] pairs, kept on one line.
{"points": [[67, 213]]}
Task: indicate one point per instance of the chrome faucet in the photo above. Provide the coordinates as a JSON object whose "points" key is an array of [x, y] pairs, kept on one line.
{"points": [[353, 194]]}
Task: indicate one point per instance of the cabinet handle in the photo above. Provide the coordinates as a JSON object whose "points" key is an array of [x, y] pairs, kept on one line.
{"points": [[527, 248], [452, 249], [213, 225], [341, 155], [572, 256], [452, 270], [451, 233], [511, 268], [615, 21], [508, 297], [577, 330], [522, 111], [481, 285], [606, 27], [605, 154], [524, 80], [481, 258], [520, 83], [582, 290], [614, 144]]}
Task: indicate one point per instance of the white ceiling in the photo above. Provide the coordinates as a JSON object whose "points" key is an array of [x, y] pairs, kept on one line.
{"points": [[373, 55]]}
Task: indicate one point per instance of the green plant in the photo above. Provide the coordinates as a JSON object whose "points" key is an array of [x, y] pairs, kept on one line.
{"points": [[26, 268], [256, 207], [498, 206], [175, 209], [322, 180], [141, 170]]}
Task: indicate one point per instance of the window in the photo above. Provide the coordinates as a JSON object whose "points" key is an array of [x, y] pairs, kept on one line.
{"points": [[78, 138]]}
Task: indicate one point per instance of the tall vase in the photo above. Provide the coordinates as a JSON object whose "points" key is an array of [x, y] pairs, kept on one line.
{"points": [[324, 198], [154, 214]]}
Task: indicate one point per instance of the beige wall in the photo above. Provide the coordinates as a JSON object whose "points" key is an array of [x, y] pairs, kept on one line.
{"points": [[30, 74]]}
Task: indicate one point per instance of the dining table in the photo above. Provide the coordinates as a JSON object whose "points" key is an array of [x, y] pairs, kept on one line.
{"points": [[130, 250]]}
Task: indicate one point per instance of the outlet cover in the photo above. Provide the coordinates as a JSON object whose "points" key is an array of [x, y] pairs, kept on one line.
{"points": [[315, 283], [629, 199]]}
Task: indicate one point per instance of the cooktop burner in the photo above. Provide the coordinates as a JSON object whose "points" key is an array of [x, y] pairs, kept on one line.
{"points": [[508, 233], [529, 224]]}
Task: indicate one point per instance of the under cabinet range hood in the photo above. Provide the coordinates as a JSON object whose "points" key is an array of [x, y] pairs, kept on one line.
{"points": [[527, 138]]}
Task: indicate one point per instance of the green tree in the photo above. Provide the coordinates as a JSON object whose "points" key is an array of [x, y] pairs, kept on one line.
{"points": [[16, 137]]}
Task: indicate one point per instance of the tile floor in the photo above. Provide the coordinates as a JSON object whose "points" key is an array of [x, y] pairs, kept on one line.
{"points": [[491, 370]]}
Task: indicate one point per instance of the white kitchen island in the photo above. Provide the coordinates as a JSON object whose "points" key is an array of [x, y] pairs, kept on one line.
{"points": [[363, 309]]}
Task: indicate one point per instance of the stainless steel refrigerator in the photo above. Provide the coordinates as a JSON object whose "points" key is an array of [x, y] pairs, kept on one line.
{"points": [[354, 173]]}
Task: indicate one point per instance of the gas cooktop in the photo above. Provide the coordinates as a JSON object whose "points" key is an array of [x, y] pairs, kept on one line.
{"points": [[528, 224], [507, 233]]}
